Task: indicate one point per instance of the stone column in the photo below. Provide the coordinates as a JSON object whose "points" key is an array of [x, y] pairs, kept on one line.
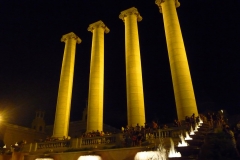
{"points": [[182, 83], [96, 78], [61, 123], [135, 98]]}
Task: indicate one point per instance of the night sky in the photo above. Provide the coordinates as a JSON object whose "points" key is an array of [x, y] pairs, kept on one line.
{"points": [[31, 57]]}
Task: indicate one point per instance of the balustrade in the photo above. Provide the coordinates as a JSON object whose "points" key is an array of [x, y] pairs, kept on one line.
{"points": [[99, 140], [53, 144], [170, 132], [87, 142]]}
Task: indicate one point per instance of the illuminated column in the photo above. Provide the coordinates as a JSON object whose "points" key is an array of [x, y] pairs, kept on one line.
{"points": [[96, 78], [182, 83], [135, 98], [62, 114]]}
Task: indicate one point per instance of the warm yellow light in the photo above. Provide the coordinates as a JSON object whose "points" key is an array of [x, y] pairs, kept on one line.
{"points": [[90, 157], [96, 77], [62, 115], [135, 96], [182, 83]]}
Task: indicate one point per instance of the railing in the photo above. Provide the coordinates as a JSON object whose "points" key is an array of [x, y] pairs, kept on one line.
{"points": [[175, 132], [99, 140], [73, 143], [53, 144], [165, 133]]}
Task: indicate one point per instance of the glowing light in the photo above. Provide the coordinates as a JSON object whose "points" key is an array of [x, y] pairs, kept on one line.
{"points": [[197, 125], [5, 146], [191, 131], [196, 128], [160, 154], [184, 143], [146, 155], [90, 157], [200, 120], [172, 152], [187, 137]]}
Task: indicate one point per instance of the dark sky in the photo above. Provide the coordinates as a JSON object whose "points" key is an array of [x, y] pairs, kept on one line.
{"points": [[31, 56]]}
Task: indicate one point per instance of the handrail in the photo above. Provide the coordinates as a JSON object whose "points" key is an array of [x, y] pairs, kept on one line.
{"points": [[169, 132], [53, 144], [86, 142], [99, 140]]}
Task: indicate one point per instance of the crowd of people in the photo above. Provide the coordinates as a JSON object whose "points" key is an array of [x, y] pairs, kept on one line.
{"points": [[217, 120], [50, 139], [95, 134], [134, 136], [234, 134], [237, 135], [192, 120]]}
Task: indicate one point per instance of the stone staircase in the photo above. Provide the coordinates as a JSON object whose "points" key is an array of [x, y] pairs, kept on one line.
{"points": [[85, 146], [191, 152]]}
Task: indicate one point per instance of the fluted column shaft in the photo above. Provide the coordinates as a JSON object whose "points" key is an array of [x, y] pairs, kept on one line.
{"points": [[61, 123], [96, 79], [182, 83], [135, 97]]}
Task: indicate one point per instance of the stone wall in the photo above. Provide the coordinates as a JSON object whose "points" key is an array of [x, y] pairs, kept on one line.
{"points": [[109, 154], [14, 133]]}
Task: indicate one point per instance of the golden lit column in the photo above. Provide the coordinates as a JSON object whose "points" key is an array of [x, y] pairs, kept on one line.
{"points": [[182, 83], [96, 78], [135, 98], [62, 114]]}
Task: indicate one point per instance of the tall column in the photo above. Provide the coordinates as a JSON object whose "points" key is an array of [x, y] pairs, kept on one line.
{"points": [[182, 83], [96, 79], [135, 98], [61, 123]]}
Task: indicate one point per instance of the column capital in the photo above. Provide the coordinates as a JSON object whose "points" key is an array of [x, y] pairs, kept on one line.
{"points": [[69, 36], [130, 11], [159, 2], [97, 25]]}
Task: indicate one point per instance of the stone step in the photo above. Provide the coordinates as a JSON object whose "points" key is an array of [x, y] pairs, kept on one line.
{"points": [[204, 133], [197, 136], [183, 158], [193, 142], [204, 128], [192, 151]]}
